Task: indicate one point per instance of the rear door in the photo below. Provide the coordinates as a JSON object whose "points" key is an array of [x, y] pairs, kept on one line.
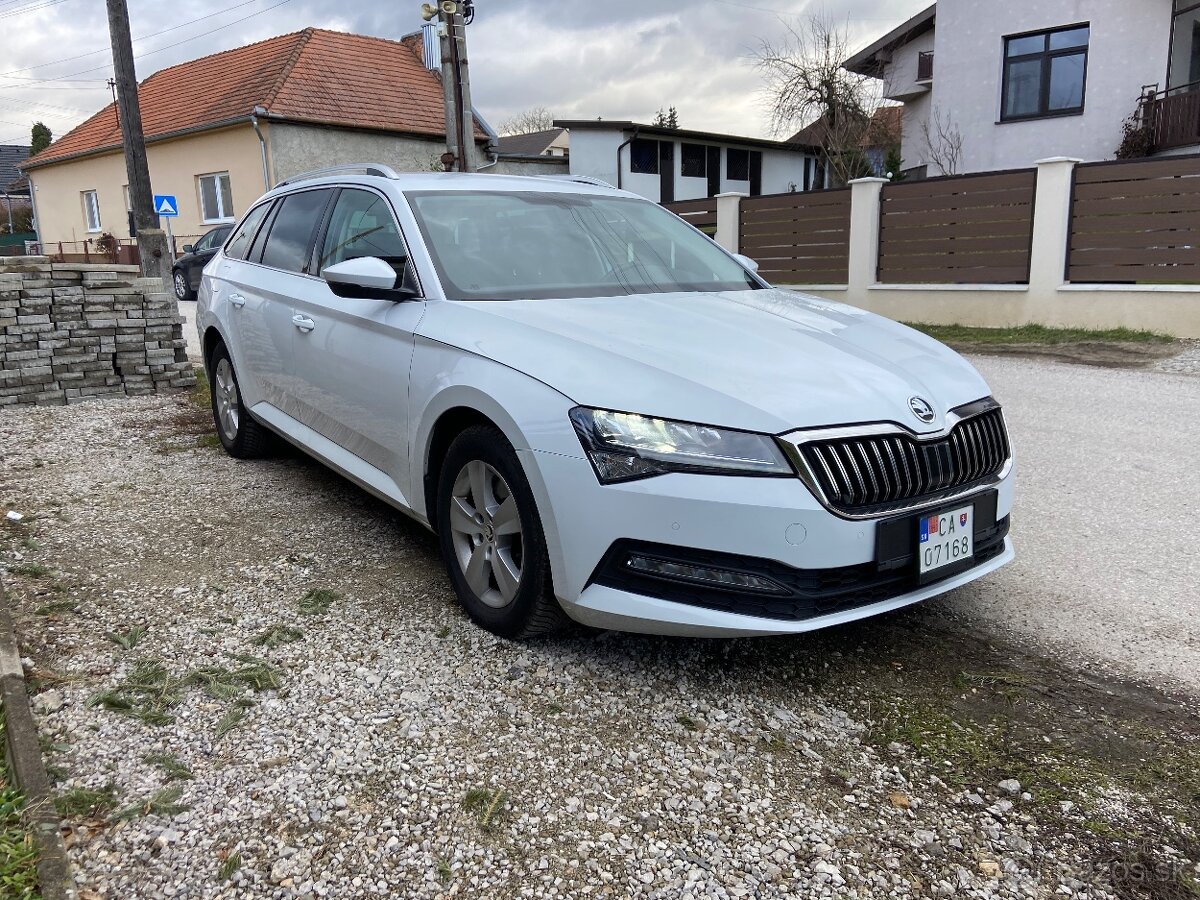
{"points": [[352, 353]]}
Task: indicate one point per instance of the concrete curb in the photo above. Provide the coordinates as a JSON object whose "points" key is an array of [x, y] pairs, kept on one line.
{"points": [[24, 755]]}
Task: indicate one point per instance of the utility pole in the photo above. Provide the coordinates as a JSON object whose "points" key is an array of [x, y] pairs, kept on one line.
{"points": [[456, 81], [152, 242]]}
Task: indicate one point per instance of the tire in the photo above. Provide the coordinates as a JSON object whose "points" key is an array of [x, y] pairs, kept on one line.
{"points": [[183, 290], [240, 435], [499, 534]]}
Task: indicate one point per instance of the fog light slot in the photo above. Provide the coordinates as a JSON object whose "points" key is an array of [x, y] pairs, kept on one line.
{"points": [[709, 576]]}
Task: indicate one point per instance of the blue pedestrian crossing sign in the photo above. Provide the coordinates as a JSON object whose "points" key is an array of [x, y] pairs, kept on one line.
{"points": [[166, 205]]}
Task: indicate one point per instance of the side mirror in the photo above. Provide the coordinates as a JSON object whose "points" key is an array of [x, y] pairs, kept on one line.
{"points": [[187, 248], [367, 277], [746, 261]]}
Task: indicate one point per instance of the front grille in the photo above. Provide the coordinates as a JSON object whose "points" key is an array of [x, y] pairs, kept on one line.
{"points": [[875, 472]]}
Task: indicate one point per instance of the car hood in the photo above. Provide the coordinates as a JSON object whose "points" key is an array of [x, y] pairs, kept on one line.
{"points": [[768, 360]]}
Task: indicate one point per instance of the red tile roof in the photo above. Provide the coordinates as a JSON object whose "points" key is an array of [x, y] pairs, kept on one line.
{"points": [[314, 75]]}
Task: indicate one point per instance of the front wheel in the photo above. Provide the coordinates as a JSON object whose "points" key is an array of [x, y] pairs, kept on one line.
{"points": [[183, 290], [491, 537]]}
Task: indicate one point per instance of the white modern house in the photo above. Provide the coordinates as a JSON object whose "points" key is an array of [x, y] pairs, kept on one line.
{"points": [[670, 164], [991, 85]]}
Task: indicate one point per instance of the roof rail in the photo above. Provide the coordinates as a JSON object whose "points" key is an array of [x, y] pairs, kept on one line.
{"points": [[581, 179], [349, 169]]}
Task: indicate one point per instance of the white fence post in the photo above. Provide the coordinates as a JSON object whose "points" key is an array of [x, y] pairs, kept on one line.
{"points": [[729, 214], [1051, 227], [864, 239]]}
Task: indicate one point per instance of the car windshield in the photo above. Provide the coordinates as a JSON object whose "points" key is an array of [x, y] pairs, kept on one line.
{"points": [[537, 245]]}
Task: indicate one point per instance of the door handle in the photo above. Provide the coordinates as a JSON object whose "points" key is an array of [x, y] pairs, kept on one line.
{"points": [[237, 300], [304, 323]]}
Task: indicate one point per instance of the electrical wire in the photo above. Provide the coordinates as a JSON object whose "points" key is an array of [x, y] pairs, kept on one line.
{"points": [[5, 14], [135, 40]]}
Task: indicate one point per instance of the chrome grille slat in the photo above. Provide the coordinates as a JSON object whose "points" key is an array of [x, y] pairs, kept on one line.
{"points": [[866, 471]]}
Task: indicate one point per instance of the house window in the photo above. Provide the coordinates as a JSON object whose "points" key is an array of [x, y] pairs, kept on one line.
{"points": [[91, 210], [737, 164], [216, 200], [643, 157], [693, 161], [1185, 46], [1045, 73]]}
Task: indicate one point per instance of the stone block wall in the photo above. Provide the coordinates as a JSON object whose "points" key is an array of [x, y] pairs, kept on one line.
{"points": [[75, 331]]}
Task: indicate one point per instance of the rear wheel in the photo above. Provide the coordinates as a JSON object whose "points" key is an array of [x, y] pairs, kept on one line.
{"points": [[491, 537], [240, 434], [183, 290]]}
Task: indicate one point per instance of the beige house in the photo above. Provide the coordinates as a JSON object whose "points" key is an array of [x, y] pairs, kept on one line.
{"points": [[222, 129]]}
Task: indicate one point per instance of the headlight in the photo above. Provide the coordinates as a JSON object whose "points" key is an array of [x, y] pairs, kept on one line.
{"points": [[624, 446]]}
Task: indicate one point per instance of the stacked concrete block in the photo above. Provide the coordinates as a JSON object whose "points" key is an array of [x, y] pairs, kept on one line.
{"points": [[76, 331]]}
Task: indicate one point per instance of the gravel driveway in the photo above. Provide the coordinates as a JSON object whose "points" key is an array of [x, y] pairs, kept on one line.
{"points": [[254, 682]]}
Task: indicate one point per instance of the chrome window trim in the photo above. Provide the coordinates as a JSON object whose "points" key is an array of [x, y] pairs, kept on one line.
{"points": [[792, 441]]}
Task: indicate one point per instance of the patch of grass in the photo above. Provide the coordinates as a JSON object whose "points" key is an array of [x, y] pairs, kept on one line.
{"points": [[687, 722], [81, 801], [444, 872], [171, 766], [31, 570], [208, 440], [277, 636], [1038, 334], [486, 804], [444, 631], [317, 602], [164, 802], [127, 640], [58, 607], [229, 865], [201, 394], [148, 693], [18, 853]]}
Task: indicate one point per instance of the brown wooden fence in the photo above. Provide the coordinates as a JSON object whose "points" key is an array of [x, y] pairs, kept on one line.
{"points": [[798, 238], [1136, 221], [966, 229], [700, 213]]}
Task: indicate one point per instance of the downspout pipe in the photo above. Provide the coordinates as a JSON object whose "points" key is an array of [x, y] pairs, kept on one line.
{"points": [[633, 137], [493, 145], [262, 145]]}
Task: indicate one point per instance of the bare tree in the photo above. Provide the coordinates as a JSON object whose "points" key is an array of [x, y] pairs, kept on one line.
{"points": [[537, 118], [805, 84], [943, 141]]}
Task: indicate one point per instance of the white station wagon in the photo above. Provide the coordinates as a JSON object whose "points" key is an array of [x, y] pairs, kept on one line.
{"points": [[603, 414]]}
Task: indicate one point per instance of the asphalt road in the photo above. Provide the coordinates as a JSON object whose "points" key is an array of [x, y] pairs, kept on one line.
{"points": [[1106, 517], [1107, 521]]}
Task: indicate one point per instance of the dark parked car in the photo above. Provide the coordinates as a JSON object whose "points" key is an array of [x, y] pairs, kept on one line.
{"points": [[186, 273]]}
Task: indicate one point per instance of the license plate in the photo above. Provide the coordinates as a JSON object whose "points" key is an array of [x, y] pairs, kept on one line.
{"points": [[945, 538]]}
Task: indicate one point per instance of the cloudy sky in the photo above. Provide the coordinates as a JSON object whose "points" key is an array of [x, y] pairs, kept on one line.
{"points": [[579, 58]]}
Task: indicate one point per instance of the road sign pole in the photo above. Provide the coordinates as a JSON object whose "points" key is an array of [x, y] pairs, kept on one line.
{"points": [[170, 242]]}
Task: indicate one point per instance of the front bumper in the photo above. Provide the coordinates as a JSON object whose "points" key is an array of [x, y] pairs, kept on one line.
{"points": [[769, 519]]}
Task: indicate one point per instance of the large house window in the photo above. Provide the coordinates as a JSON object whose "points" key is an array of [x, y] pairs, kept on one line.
{"points": [[693, 160], [1045, 73], [643, 157], [1185, 46], [737, 164], [91, 210], [216, 199]]}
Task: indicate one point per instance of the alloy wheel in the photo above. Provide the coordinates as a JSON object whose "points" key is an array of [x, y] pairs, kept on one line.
{"points": [[485, 526], [225, 393], [181, 286]]}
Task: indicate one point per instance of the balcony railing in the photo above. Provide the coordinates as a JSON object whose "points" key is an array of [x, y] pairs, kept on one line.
{"points": [[1173, 116], [925, 66]]}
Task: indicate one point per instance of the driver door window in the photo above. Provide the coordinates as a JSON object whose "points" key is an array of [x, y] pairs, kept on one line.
{"points": [[362, 225]]}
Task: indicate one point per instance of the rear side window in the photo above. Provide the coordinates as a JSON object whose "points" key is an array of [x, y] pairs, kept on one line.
{"points": [[362, 225], [244, 233], [290, 241]]}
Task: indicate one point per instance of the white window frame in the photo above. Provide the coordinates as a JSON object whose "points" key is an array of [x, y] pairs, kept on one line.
{"points": [[223, 215], [91, 204]]}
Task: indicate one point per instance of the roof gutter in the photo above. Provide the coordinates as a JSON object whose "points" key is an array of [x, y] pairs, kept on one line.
{"points": [[627, 142], [262, 144]]}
